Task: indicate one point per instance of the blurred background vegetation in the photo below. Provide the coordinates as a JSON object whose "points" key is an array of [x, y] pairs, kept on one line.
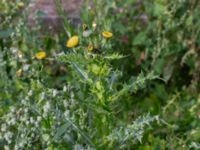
{"points": [[137, 90]]}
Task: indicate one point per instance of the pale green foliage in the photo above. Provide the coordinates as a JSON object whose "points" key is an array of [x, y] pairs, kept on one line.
{"points": [[131, 133], [135, 85]]}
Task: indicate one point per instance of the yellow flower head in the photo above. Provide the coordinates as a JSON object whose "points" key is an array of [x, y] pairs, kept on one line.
{"points": [[41, 55], [90, 48], [19, 72], [72, 42], [107, 34]]}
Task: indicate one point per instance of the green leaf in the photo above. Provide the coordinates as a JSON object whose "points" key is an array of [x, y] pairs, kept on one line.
{"points": [[61, 131], [168, 71], [158, 9], [189, 21], [140, 38]]}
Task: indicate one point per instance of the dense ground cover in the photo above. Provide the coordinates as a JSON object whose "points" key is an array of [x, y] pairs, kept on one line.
{"points": [[126, 77]]}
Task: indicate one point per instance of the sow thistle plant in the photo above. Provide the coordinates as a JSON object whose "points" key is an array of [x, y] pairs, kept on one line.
{"points": [[95, 82]]}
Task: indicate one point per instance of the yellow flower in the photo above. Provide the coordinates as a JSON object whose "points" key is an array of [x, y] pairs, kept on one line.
{"points": [[72, 42], [107, 34], [19, 72], [41, 55], [90, 48]]}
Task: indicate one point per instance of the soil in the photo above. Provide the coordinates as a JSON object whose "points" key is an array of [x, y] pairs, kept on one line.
{"points": [[50, 18]]}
